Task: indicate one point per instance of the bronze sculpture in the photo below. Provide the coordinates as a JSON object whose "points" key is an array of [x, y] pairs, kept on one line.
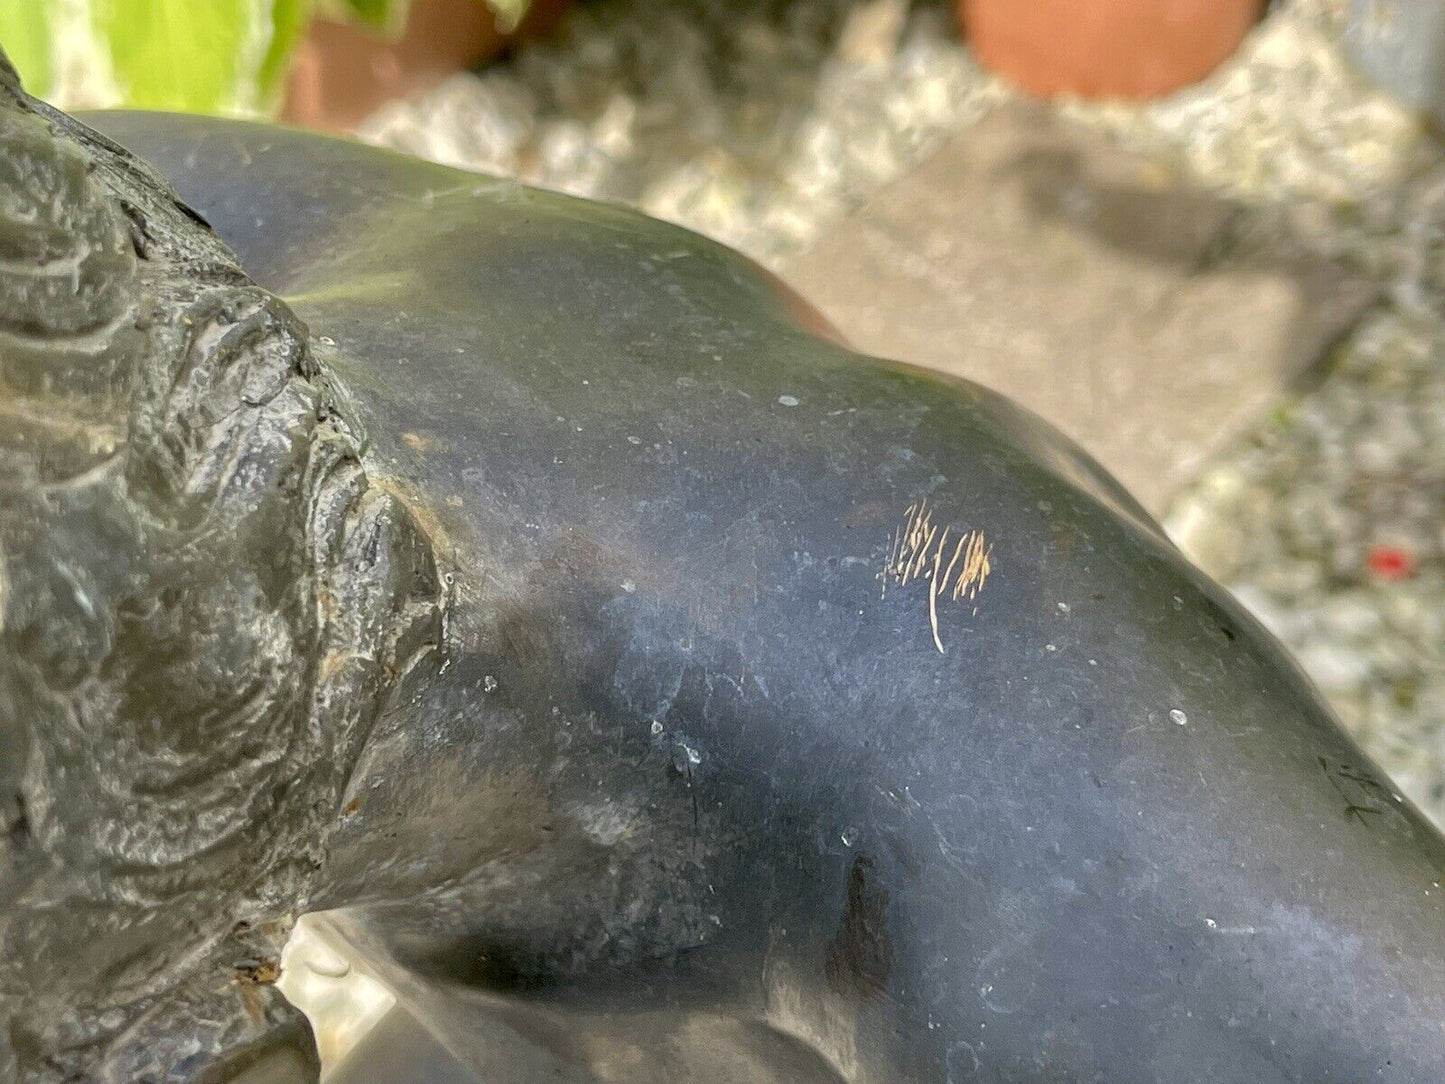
{"points": [[653, 690]]}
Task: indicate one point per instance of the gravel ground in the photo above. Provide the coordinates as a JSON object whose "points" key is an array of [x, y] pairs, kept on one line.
{"points": [[754, 122], [760, 121]]}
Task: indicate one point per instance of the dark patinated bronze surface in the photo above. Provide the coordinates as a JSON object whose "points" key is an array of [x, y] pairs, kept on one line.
{"points": [[650, 690]]}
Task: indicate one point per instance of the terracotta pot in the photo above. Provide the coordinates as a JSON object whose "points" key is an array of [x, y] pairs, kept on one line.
{"points": [[341, 72], [1105, 48]]}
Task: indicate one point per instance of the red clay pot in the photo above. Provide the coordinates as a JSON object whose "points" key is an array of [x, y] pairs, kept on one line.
{"points": [[341, 73], [1105, 48]]}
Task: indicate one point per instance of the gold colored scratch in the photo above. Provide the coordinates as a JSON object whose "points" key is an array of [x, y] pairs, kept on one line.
{"points": [[935, 581], [976, 567], [916, 550]]}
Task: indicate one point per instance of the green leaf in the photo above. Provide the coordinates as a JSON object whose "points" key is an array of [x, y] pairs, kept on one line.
{"points": [[288, 23], [388, 14], [183, 54], [191, 55], [25, 37]]}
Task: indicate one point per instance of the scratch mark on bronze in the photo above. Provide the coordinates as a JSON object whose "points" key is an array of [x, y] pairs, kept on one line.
{"points": [[917, 550]]}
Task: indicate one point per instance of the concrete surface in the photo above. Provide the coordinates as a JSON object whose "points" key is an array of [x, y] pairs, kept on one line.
{"points": [[1149, 319]]}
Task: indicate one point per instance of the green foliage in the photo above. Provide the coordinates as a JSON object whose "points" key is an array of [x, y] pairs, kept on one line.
{"points": [[25, 38], [168, 54], [382, 14], [288, 23], [208, 56]]}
